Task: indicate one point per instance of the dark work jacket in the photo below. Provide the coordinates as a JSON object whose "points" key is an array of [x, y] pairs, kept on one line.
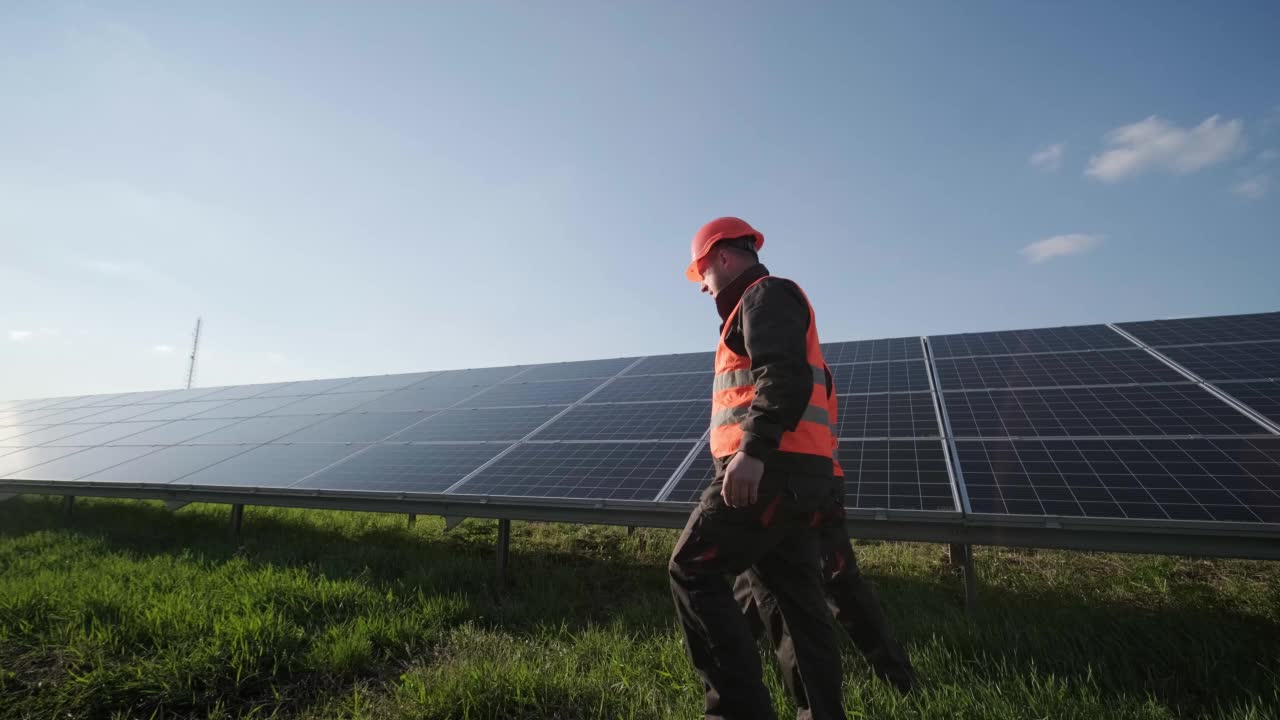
{"points": [[770, 328]]}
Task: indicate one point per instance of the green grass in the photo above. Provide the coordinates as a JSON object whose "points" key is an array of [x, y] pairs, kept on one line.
{"points": [[136, 612]]}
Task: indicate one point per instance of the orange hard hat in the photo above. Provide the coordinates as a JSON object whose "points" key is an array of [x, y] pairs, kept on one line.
{"points": [[725, 228]]}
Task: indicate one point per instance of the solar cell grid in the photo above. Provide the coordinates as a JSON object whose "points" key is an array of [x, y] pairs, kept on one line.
{"points": [[242, 392], [585, 369], [67, 416], [51, 433], [1227, 480], [386, 383], [682, 386], [896, 475], [1185, 409], [274, 466], [1243, 361], [903, 415], [23, 458], [686, 420], [162, 465], [879, 377], [404, 468], [356, 427], [1113, 367], [1220, 329], [683, 363], [551, 392], [695, 479], [334, 402], [1060, 339], [1262, 396], [250, 407], [857, 351], [420, 398], [172, 433], [307, 387], [597, 471], [478, 424], [79, 463], [254, 431], [106, 433], [466, 378], [165, 411]]}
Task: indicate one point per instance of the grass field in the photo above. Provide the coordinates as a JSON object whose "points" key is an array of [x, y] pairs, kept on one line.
{"points": [[138, 612]]}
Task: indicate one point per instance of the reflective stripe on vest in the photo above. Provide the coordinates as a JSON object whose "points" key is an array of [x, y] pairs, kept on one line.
{"points": [[733, 390]]}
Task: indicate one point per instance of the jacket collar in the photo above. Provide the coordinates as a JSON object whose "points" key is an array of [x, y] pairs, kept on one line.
{"points": [[729, 298]]}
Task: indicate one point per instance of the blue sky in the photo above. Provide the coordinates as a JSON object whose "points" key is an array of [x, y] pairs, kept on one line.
{"points": [[350, 189]]}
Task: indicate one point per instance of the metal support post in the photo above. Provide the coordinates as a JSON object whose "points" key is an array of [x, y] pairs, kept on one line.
{"points": [[237, 522], [504, 550], [962, 558], [413, 519], [68, 508]]}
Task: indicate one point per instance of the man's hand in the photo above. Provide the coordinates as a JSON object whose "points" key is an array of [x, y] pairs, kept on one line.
{"points": [[742, 480]]}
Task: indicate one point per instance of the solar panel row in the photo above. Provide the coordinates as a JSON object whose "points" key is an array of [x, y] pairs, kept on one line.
{"points": [[1042, 422]]}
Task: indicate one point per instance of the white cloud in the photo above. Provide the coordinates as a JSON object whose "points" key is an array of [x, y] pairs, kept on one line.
{"points": [[1269, 155], [1154, 144], [1049, 159], [164, 349], [1253, 187], [1059, 246], [20, 335]]}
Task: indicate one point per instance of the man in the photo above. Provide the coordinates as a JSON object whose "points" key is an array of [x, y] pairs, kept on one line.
{"points": [[852, 599], [771, 436]]}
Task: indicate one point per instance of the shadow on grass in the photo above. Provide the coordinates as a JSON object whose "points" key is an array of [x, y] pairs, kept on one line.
{"points": [[1190, 655]]}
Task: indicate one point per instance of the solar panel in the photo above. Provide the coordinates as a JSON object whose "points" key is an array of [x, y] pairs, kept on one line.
{"points": [[250, 407], [253, 431], [1184, 409], [172, 433], [695, 478], [1262, 396], [270, 466], [686, 420], [326, 404], [893, 376], [405, 468], [896, 475], [904, 415], [1243, 361], [420, 398], [307, 387], [478, 376], [79, 463], [82, 401], [162, 465], [356, 427], [66, 416], [20, 459], [551, 392], [680, 386], [241, 392], [858, 351], [599, 369], [14, 431], [595, 471], [386, 383], [478, 424], [167, 411], [158, 396], [50, 433], [682, 363], [1225, 480], [1220, 329], [123, 412], [1113, 367], [101, 434], [1016, 342]]}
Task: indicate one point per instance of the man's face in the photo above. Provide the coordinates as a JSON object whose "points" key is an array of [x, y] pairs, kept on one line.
{"points": [[714, 273]]}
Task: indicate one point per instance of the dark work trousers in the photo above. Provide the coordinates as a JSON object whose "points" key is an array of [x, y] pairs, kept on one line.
{"points": [[776, 540], [853, 601]]}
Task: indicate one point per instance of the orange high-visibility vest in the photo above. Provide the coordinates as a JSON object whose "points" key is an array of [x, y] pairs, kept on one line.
{"points": [[733, 390]]}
